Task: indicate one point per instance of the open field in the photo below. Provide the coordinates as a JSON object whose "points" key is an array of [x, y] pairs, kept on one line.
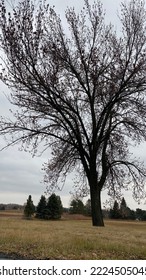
{"points": [[71, 239]]}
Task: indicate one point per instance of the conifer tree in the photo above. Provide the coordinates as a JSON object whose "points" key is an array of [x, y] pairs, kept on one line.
{"points": [[115, 212], [29, 209], [123, 203], [124, 209], [54, 207], [41, 208], [77, 206]]}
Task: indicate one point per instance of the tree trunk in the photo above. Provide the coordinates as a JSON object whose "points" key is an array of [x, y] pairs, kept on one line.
{"points": [[97, 217], [95, 194]]}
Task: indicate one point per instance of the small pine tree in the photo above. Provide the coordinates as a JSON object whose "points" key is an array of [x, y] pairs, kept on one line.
{"points": [[29, 209], [123, 203], [41, 208], [124, 210], [115, 212], [54, 207]]}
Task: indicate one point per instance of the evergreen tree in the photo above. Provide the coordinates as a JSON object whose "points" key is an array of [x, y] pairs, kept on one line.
{"points": [[41, 208], [115, 212], [132, 214], [77, 206], [144, 216], [123, 203], [54, 207], [29, 209], [124, 210], [88, 207], [140, 214]]}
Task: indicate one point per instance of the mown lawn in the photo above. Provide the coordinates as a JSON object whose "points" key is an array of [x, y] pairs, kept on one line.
{"points": [[72, 239]]}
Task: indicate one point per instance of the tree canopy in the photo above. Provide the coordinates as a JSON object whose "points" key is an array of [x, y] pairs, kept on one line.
{"points": [[81, 93]]}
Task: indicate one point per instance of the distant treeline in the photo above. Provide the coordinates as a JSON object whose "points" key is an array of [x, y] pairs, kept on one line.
{"points": [[52, 208], [11, 206], [122, 211], [118, 211]]}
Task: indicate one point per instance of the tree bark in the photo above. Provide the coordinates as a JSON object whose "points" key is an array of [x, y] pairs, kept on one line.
{"points": [[96, 210], [97, 217]]}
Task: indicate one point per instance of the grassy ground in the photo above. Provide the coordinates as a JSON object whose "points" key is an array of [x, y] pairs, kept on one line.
{"points": [[71, 239]]}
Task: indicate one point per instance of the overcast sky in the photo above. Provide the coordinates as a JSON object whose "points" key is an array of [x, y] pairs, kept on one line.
{"points": [[20, 174]]}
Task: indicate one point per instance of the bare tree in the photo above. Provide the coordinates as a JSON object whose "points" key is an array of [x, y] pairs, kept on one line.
{"points": [[82, 93]]}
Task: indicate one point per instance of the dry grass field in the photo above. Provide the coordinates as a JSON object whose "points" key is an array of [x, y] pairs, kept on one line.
{"points": [[71, 238]]}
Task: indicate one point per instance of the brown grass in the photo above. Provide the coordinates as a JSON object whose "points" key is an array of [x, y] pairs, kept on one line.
{"points": [[71, 239]]}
